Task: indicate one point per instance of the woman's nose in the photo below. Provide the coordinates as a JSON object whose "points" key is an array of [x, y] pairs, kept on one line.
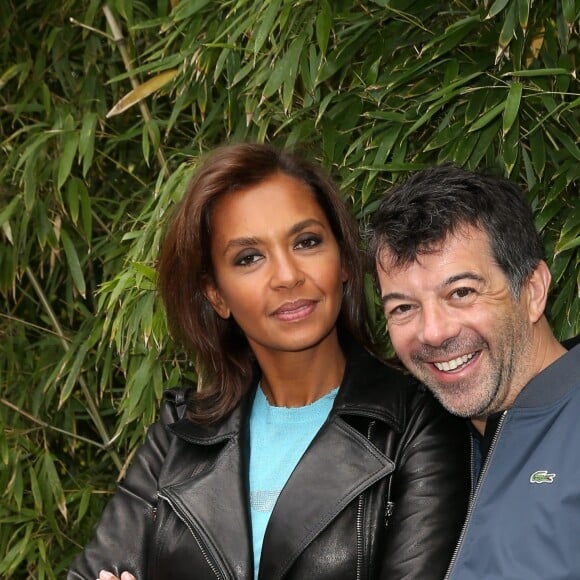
{"points": [[286, 272]]}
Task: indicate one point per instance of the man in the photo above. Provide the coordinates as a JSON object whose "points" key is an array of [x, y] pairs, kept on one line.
{"points": [[464, 287]]}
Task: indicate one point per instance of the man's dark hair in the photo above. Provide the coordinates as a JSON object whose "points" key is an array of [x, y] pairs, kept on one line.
{"points": [[416, 218]]}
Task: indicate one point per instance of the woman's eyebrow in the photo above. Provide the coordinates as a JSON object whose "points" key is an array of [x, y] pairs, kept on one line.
{"points": [[247, 241], [296, 228], [242, 242]]}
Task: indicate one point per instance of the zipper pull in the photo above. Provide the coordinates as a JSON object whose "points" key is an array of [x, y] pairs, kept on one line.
{"points": [[389, 509]]}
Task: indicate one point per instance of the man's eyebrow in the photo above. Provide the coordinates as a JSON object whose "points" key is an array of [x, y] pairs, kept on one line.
{"points": [[447, 282], [462, 276], [393, 296]]}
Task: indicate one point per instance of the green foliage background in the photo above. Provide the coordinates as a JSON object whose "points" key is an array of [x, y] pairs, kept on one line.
{"points": [[372, 89]]}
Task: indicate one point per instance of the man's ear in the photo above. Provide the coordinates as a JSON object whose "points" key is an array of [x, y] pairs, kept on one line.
{"points": [[537, 291], [216, 300]]}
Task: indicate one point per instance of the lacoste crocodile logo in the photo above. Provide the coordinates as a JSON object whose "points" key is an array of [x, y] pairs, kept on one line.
{"points": [[542, 476]]}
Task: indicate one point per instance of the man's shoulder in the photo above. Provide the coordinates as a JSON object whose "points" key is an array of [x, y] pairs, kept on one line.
{"points": [[555, 382], [570, 343]]}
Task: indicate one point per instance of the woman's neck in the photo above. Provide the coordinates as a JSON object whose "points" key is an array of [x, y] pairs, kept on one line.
{"points": [[296, 379]]}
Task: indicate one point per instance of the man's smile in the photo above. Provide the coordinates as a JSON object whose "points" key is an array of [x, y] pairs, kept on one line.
{"points": [[454, 364]]}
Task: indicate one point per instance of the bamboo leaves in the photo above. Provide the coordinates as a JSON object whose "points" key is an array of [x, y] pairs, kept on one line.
{"points": [[523, 7], [70, 140], [271, 10], [570, 11], [497, 7], [87, 141], [74, 263], [324, 26], [508, 29], [284, 73], [145, 89], [512, 106]]}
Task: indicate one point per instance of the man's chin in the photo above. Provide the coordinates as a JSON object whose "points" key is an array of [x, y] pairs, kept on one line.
{"points": [[458, 412], [458, 408]]}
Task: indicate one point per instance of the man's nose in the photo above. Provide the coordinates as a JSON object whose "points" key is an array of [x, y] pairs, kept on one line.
{"points": [[437, 325]]}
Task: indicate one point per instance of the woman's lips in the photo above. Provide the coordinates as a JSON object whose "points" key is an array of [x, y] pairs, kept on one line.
{"points": [[296, 310]]}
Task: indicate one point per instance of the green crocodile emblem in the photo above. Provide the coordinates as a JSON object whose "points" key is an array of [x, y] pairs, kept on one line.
{"points": [[542, 476]]}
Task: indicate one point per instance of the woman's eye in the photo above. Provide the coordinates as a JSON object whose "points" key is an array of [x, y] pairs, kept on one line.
{"points": [[308, 242], [247, 259]]}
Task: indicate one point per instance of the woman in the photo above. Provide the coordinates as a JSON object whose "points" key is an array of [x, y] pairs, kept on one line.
{"points": [[303, 456]]}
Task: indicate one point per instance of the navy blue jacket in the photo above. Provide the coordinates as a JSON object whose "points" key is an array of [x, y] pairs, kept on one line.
{"points": [[524, 518]]}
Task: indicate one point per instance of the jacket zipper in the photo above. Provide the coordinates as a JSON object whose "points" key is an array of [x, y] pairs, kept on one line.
{"points": [[196, 536], [359, 521], [359, 548], [475, 495]]}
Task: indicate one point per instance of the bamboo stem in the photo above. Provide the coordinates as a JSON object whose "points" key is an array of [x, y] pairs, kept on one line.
{"points": [[92, 407], [46, 425], [146, 114]]}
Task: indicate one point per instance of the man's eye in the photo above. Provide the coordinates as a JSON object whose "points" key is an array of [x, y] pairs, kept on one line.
{"points": [[399, 311], [463, 292]]}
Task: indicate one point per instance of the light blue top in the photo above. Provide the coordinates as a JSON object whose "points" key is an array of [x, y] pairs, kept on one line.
{"points": [[279, 436]]}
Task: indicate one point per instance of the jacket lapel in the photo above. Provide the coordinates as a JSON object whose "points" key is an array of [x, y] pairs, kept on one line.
{"points": [[337, 467], [212, 502]]}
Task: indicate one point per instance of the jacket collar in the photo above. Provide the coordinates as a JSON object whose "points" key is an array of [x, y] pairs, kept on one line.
{"points": [[216, 433], [554, 382], [371, 389]]}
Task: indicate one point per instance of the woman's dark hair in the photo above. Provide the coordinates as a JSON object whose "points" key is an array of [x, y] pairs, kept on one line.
{"points": [[224, 360]]}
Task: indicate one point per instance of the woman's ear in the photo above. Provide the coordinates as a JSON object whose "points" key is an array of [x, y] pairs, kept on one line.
{"points": [[537, 291], [216, 300]]}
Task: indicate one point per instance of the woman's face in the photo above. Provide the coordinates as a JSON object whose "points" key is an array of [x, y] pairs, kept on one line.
{"points": [[277, 266]]}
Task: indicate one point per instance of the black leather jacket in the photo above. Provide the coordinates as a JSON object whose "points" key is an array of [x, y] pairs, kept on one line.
{"points": [[182, 510]]}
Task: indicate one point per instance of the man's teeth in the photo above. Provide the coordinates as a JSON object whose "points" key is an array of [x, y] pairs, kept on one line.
{"points": [[451, 365]]}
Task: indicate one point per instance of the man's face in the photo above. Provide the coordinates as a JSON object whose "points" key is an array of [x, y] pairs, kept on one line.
{"points": [[456, 326]]}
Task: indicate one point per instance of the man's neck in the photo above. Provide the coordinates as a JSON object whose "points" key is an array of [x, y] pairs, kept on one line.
{"points": [[479, 423], [548, 349], [545, 350]]}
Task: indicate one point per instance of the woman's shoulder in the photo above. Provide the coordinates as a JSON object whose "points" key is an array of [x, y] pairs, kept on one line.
{"points": [[178, 416], [368, 370], [386, 387], [174, 404], [373, 387]]}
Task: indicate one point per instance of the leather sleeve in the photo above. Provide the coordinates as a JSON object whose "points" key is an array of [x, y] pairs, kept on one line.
{"points": [[430, 491], [124, 530]]}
